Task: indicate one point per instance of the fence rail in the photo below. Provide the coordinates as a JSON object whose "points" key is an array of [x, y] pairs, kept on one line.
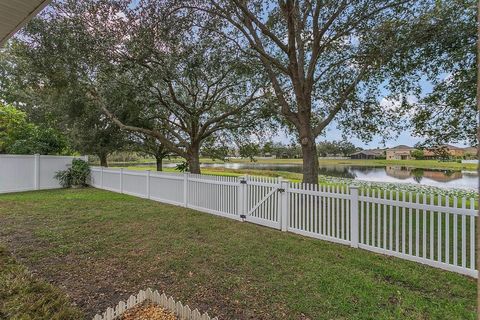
{"points": [[431, 229]]}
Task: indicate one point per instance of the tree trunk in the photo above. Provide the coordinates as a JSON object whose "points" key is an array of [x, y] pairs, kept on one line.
{"points": [[194, 159], [103, 160], [310, 158], [159, 163]]}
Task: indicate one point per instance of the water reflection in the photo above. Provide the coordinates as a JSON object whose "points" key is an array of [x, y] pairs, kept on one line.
{"points": [[418, 173]]}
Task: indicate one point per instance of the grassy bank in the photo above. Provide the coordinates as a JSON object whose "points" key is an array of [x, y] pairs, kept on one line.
{"points": [[423, 164], [295, 177], [102, 246], [22, 296]]}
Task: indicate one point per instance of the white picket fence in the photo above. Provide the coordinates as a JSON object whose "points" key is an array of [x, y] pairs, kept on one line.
{"points": [[431, 229], [31, 172]]}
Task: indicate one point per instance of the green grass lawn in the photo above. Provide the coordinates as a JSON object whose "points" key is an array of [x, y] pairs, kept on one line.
{"points": [[22, 296], [99, 247]]}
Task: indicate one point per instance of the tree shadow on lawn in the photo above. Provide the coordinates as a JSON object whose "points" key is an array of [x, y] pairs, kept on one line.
{"points": [[100, 247]]}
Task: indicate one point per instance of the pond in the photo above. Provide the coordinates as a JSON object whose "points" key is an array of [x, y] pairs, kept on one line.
{"points": [[431, 177]]}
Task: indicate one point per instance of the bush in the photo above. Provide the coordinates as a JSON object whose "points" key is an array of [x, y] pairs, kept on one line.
{"points": [[418, 154], [76, 175], [182, 167]]}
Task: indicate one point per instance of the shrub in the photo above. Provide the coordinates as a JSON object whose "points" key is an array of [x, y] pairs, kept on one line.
{"points": [[182, 167], [76, 175], [418, 154]]}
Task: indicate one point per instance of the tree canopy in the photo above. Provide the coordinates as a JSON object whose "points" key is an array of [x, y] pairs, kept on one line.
{"points": [[199, 75], [329, 60], [19, 136]]}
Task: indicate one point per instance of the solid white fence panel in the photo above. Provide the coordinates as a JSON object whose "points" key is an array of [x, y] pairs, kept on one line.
{"points": [[96, 177], [49, 165], [167, 187], [135, 183], [112, 179], [17, 173], [30, 172]]}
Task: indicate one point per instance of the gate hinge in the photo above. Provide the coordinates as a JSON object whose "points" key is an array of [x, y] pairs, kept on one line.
{"points": [[243, 216]]}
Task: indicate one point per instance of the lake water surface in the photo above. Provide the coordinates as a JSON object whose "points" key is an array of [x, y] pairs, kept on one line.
{"points": [[398, 174]]}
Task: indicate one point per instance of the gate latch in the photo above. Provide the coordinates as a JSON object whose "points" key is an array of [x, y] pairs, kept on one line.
{"points": [[281, 190], [243, 181]]}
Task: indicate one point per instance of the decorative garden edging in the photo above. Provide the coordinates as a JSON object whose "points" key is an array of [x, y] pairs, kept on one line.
{"points": [[181, 311]]}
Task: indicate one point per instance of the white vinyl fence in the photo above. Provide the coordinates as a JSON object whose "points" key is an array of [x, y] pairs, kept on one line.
{"points": [[431, 229], [30, 172]]}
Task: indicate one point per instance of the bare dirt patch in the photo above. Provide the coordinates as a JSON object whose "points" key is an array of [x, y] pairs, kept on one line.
{"points": [[148, 311]]}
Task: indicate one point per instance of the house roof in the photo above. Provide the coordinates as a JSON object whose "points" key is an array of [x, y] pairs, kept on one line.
{"points": [[450, 147], [472, 150], [401, 147], [14, 14]]}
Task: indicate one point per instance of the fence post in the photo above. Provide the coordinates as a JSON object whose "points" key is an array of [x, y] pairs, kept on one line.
{"points": [[121, 180], [148, 184], [37, 171], [241, 196], [284, 204], [101, 177], [185, 189], [354, 217]]}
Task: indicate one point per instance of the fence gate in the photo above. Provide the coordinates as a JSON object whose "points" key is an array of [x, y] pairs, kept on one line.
{"points": [[262, 201]]}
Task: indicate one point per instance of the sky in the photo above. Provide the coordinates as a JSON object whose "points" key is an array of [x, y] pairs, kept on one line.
{"points": [[333, 133]]}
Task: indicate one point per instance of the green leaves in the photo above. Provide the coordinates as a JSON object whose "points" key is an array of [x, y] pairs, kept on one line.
{"points": [[76, 175], [18, 136]]}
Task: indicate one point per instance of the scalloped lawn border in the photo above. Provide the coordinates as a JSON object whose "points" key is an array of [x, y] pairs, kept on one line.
{"points": [[181, 311]]}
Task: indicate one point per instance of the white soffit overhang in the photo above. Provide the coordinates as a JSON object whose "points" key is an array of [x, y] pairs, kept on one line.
{"points": [[14, 14]]}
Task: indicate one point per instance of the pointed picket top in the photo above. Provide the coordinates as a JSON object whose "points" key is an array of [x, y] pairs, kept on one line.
{"points": [[110, 314], [171, 303], [187, 313], [121, 307], [163, 299], [196, 314], [149, 294], [131, 301], [156, 297], [178, 307], [140, 296]]}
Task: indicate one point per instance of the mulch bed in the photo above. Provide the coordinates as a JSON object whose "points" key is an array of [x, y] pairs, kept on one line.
{"points": [[148, 311]]}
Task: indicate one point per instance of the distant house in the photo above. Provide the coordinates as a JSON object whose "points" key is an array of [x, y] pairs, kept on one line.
{"points": [[470, 152], [401, 152], [368, 154], [444, 151]]}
